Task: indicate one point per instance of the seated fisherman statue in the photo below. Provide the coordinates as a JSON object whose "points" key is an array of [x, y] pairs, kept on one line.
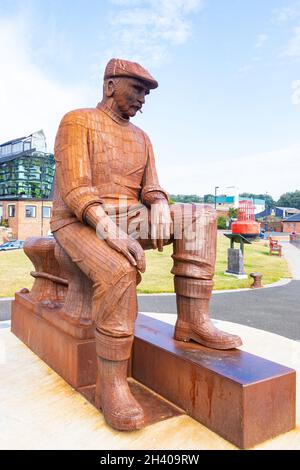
{"points": [[108, 208]]}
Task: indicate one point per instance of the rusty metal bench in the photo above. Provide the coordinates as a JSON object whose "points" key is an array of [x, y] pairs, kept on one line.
{"points": [[275, 247]]}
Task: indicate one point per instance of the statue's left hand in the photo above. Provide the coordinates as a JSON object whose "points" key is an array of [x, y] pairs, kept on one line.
{"points": [[161, 223]]}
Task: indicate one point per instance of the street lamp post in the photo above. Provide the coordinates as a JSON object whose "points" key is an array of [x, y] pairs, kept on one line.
{"points": [[216, 187]]}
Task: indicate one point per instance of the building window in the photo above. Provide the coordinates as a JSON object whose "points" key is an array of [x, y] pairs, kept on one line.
{"points": [[11, 211], [27, 146], [6, 149], [18, 147], [30, 211], [46, 212]]}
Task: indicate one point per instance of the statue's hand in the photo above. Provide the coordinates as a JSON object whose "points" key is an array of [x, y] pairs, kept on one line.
{"points": [[161, 223], [116, 238], [130, 248]]}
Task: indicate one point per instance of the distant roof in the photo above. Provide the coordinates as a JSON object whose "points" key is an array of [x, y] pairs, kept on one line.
{"points": [[225, 199], [288, 208], [293, 218], [19, 139], [230, 200], [14, 141]]}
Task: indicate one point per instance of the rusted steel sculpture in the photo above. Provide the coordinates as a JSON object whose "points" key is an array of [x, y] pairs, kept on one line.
{"points": [[108, 208]]}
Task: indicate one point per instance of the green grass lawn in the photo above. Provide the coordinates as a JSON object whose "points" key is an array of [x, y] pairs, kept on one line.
{"points": [[158, 278], [15, 268]]}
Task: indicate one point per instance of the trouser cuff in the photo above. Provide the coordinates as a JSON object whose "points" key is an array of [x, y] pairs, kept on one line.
{"points": [[193, 288], [112, 348]]}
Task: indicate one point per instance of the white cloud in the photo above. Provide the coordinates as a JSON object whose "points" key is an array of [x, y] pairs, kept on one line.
{"points": [[287, 14], [144, 30], [261, 39], [293, 48], [245, 69], [275, 172], [295, 98], [29, 100]]}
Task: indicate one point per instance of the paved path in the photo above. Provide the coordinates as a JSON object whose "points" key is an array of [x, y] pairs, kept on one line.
{"points": [[292, 255], [275, 309]]}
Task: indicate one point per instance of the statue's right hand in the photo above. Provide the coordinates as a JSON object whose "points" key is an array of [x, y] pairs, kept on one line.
{"points": [[131, 249], [116, 238]]}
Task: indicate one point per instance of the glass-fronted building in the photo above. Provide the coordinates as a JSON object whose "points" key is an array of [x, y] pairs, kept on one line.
{"points": [[26, 180], [26, 168]]}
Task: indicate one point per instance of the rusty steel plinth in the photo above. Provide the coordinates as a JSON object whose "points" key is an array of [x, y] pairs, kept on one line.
{"points": [[244, 398]]}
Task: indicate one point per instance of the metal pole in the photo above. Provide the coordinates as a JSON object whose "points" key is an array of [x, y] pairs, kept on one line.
{"points": [[216, 187]]}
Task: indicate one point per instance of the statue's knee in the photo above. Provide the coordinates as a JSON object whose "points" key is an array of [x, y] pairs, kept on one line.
{"points": [[127, 268], [117, 271]]}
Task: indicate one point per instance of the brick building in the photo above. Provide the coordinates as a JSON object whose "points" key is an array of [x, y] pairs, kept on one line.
{"points": [[292, 224], [27, 218], [26, 179]]}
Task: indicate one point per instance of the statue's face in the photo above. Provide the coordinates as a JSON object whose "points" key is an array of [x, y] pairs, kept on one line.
{"points": [[129, 96]]}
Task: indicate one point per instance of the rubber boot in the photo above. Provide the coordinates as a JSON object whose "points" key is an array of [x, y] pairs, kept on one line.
{"points": [[193, 322], [113, 396]]}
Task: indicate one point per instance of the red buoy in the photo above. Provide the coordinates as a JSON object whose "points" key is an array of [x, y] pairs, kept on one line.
{"points": [[246, 224]]}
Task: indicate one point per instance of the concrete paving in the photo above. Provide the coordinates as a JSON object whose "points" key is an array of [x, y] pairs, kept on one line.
{"points": [[5, 308]]}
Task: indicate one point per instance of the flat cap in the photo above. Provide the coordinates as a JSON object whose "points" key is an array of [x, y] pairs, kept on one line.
{"points": [[125, 68]]}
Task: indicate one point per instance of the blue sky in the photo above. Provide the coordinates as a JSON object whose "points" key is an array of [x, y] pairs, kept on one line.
{"points": [[227, 110]]}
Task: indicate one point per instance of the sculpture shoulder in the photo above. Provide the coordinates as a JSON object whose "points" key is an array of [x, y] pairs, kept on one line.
{"points": [[83, 117], [142, 133]]}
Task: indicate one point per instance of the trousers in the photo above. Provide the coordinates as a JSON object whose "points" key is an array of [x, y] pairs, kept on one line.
{"points": [[114, 279]]}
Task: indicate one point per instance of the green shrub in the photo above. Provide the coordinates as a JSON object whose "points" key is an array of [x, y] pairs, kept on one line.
{"points": [[4, 223], [222, 223]]}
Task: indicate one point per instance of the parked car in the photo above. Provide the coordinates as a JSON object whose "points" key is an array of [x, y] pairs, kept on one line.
{"points": [[12, 245]]}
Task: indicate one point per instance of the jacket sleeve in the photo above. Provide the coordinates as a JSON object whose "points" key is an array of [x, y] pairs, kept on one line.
{"points": [[151, 188], [73, 168]]}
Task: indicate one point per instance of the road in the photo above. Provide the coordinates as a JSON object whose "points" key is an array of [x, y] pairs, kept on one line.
{"points": [[276, 309]]}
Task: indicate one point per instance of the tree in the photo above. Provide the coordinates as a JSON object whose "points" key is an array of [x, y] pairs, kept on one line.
{"points": [[209, 198], [222, 222], [291, 199], [185, 198], [233, 213]]}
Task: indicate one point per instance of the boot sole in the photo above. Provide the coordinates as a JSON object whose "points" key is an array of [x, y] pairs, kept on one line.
{"points": [[125, 424], [122, 424], [186, 334]]}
